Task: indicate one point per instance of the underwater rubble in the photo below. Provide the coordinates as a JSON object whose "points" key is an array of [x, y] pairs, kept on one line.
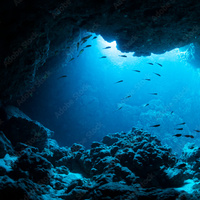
{"points": [[130, 166]]}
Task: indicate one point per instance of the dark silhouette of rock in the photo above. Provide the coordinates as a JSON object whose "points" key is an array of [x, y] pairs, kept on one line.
{"points": [[22, 189], [5, 146], [20, 128], [136, 166], [109, 140], [39, 169], [30, 38]]}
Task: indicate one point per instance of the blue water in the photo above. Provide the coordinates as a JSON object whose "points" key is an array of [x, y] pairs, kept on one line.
{"points": [[85, 105]]}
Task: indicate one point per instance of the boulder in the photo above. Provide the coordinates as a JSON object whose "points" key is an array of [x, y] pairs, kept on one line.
{"points": [[108, 140], [20, 128], [38, 168], [5, 146], [22, 189]]}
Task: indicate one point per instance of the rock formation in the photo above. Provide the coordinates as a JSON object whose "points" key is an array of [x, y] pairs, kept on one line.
{"points": [[36, 33], [131, 165]]}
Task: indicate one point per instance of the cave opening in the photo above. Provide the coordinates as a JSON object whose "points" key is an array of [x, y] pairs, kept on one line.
{"points": [[99, 100], [103, 90]]}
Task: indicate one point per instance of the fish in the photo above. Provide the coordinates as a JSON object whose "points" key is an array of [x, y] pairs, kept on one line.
{"points": [[88, 46], [181, 165], [84, 41], [157, 125], [119, 81], [191, 136], [95, 37], [181, 124], [146, 105], [157, 74], [147, 79], [103, 57], [198, 131], [135, 70], [179, 129], [81, 51], [154, 93], [120, 108], [108, 47], [71, 59], [159, 64], [150, 63], [178, 135], [64, 76], [129, 96], [124, 56], [172, 112], [86, 37], [78, 46]]}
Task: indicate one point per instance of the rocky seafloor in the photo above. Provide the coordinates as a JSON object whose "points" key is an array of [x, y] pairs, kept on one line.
{"points": [[130, 166]]}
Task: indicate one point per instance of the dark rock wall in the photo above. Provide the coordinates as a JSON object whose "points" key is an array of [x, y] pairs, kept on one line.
{"points": [[34, 32]]}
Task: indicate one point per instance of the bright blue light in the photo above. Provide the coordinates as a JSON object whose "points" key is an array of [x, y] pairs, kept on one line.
{"points": [[113, 44], [102, 44], [113, 52]]}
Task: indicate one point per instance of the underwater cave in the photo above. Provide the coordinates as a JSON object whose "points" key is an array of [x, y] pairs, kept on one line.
{"points": [[100, 100]]}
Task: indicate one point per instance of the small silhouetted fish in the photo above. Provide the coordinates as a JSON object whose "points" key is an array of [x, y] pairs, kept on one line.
{"points": [[146, 105], [178, 135], [71, 59], [198, 131], [84, 41], [129, 96], [179, 129], [95, 37], [64, 76], [88, 46], [157, 125], [154, 93], [157, 74], [85, 38], [172, 112], [78, 46], [124, 56], [147, 79], [119, 81], [150, 63], [181, 124], [120, 108], [181, 165], [81, 51], [103, 57], [191, 136], [107, 47], [135, 70], [159, 64]]}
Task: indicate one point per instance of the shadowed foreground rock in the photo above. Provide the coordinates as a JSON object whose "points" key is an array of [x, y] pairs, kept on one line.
{"points": [[130, 166], [20, 128]]}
